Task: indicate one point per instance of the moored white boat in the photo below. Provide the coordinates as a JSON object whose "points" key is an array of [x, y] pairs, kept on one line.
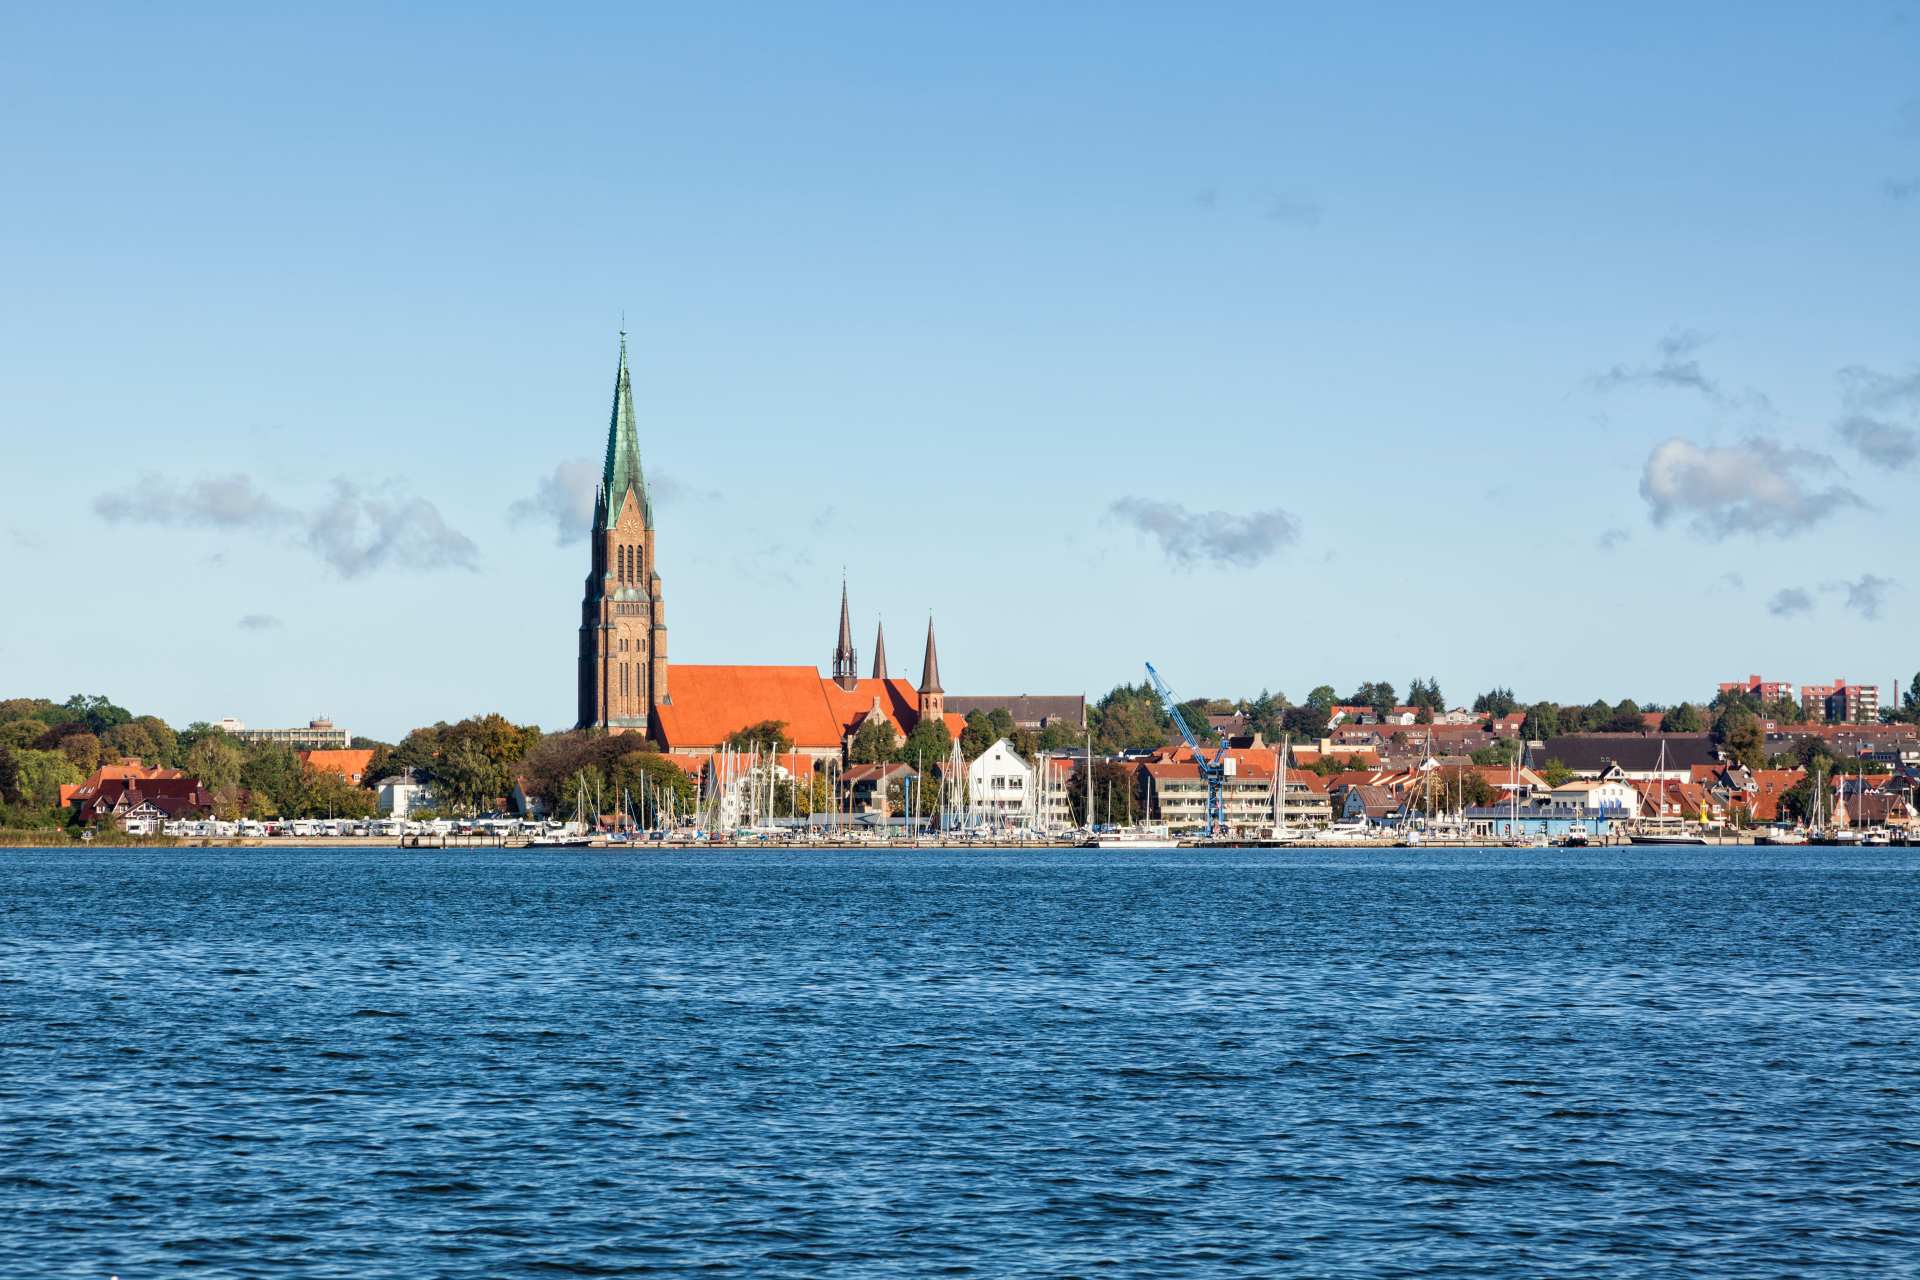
{"points": [[1144, 836]]}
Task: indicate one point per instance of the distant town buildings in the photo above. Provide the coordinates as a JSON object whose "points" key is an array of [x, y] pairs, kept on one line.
{"points": [[318, 735], [1833, 703], [1840, 701]]}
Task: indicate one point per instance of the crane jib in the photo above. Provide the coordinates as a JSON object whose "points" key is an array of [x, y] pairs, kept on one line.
{"points": [[1213, 772]]}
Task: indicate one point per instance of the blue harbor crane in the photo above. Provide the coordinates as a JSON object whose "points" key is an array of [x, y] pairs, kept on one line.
{"points": [[1213, 772]]}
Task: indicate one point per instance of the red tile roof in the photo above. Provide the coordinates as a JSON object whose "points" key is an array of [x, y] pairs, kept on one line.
{"points": [[710, 702], [349, 763]]}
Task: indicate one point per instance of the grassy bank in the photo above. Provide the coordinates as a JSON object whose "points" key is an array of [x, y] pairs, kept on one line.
{"points": [[59, 837]]}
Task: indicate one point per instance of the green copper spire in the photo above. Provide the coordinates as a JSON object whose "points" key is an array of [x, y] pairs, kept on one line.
{"points": [[623, 450]]}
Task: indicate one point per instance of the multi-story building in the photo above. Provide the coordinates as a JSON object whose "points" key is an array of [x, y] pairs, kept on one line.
{"points": [[1840, 701], [1000, 787], [1053, 806], [1176, 795], [1764, 690], [319, 735]]}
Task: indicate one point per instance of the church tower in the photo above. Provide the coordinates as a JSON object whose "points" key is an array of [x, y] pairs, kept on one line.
{"points": [[933, 699], [880, 651], [623, 623], [846, 663]]}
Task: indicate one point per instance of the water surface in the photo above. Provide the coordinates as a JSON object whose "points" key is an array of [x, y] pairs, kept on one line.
{"points": [[318, 1063]]}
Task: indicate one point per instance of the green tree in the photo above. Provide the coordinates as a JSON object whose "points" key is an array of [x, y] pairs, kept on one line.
{"points": [[1784, 711], [1195, 711], [1496, 702], [1130, 718], [1057, 735], [417, 752], [464, 777], [1555, 772], [133, 740], [1305, 724], [1263, 714], [1426, 695], [95, 711], [1542, 722], [762, 736], [1501, 751], [1684, 718], [977, 736], [1447, 788], [873, 742], [1116, 802], [651, 779], [1747, 744], [926, 746], [271, 775], [1323, 697], [83, 749], [1377, 694], [215, 760], [31, 793], [21, 733], [325, 794]]}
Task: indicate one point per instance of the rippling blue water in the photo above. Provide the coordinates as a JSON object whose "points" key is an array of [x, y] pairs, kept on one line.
{"points": [[293, 1063]]}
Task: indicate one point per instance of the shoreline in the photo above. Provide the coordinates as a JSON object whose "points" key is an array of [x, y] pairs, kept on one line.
{"points": [[483, 843]]}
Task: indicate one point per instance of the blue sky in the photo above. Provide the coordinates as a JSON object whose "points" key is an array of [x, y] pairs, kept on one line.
{"points": [[1278, 346]]}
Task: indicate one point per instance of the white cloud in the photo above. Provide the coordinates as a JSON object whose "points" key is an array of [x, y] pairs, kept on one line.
{"points": [[563, 497], [1212, 537], [1790, 602], [1864, 595], [1760, 486], [359, 531], [356, 531]]}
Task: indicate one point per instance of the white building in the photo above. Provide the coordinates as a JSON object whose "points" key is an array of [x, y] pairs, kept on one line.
{"points": [[1610, 795], [399, 795], [1000, 787], [319, 735]]}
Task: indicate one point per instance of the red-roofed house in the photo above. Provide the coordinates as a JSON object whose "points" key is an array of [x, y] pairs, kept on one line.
{"points": [[350, 764]]}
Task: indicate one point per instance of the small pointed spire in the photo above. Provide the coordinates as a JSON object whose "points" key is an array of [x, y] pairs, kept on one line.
{"points": [[930, 669], [846, 662], [880, 652]]}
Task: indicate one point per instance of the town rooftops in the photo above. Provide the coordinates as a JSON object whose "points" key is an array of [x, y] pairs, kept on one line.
{"points": [[711, 702], [1029, 710], [349, 763], [1633, 752]]}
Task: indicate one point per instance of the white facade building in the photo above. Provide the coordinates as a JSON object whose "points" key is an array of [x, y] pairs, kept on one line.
{"points": [[1611, 795], [400, 795], [1000, 787]]}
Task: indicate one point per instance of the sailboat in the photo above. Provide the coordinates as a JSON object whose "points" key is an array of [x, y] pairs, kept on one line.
{"points": [[1282, 834], [1661, 829], [577, 834]]}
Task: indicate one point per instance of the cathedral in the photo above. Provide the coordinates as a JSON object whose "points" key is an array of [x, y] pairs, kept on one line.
{"points": [[623, 624], [627, 686]]}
